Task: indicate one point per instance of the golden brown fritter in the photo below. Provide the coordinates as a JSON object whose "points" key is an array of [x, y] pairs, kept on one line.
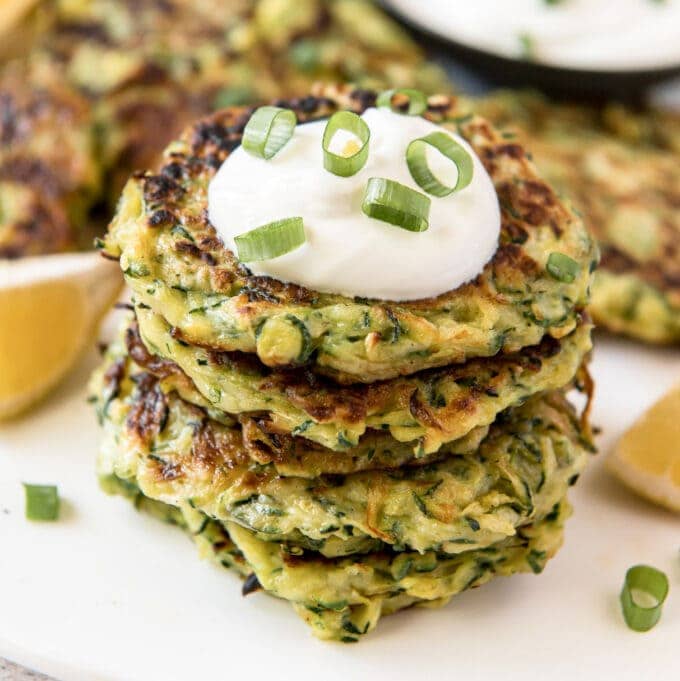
{"points": [[622, 171], [176, 265], [48, 170], [343, 598]]}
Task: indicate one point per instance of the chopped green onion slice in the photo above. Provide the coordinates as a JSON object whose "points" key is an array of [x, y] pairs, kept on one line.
{"points": [[350, 163], [270, 240], [42, 502], [398, 99], [416, 159], [562, 267], [397, 204], [648, 583], [268, 130]]}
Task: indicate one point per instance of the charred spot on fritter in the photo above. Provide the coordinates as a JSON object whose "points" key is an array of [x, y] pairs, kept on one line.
{"points": [[173, 170], [536, 203], [319, 397], [188, 248], [512, 267], [665, 278], [512, 231], [211, 243], [161, 217], [149, 412], [215, 450], [112, 380], [261, 288], [365, 99], [219, 134], [92, 31], [165, 471], [32, 171], [43, 228], [420, 411], [138, 352], [514, 151], [250, 585], [214, 135], [161, 190]]}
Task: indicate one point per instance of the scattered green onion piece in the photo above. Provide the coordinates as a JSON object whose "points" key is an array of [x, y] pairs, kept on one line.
{"points": [[397, 204], [42, 502], [562, 267], [416, 159], [651, 582], [345, 166], [270, 240], [268, 131], [417, 102]]}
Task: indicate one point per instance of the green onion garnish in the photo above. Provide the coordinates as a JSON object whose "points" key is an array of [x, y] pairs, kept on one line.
{"points": [[397, 204], [416, 158], [398, 99], [270, 240], [42, 502], [355, 159], [643, 583], [268, 130], [562, 267]]}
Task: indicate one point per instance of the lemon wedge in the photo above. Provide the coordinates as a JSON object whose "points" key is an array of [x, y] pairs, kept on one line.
{"points": [[50, 308], [647, 457], [14, 36], [13, 11]]}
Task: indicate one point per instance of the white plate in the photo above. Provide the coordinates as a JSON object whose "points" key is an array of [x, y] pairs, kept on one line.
{"points": [[107, 593]]}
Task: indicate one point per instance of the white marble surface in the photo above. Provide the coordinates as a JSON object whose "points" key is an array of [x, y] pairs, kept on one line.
{"points": [[13, 672]]}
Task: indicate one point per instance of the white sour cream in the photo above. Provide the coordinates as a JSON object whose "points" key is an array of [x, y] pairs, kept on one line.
{"points": [[347, 252], [607, 35]]}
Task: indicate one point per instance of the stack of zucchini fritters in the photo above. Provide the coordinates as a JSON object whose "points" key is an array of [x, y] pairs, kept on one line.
{"points": [[352, 456]]}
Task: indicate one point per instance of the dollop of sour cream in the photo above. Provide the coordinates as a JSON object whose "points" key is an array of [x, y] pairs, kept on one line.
{"points": [[345, 251], [606, 35]]}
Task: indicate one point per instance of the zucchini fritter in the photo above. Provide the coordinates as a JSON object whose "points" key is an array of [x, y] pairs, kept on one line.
{"points": [[179, 269], [428, 409], [108, 44], [622, 170], [49, 176], [343, 598]]}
